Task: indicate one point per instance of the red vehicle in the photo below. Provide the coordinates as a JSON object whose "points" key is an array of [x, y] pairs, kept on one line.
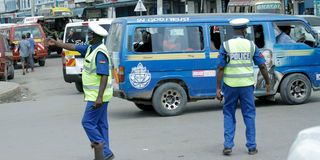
{"points": [[14, 34], [6, 61]]}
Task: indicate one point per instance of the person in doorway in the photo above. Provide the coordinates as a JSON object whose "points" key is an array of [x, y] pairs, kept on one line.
{"points": [[236, 58], [24, 49], [31, 53], [97, 86]]}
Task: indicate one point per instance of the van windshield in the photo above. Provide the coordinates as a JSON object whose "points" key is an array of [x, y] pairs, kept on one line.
{"points": [[33, 30], [79, 34]]}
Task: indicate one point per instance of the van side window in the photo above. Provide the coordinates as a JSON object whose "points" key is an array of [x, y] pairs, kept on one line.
{"points": [[168, 39], [258, 36], [253, 33], [293, 32]]}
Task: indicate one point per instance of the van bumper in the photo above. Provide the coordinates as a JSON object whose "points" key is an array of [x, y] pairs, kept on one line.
{"points": [[119, 94], [143, 95]]}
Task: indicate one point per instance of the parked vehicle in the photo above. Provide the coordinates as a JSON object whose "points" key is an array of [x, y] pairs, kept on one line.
{"points": [[6, 62], [166, 61], [77, 33], [14, 34], [53, 27]]}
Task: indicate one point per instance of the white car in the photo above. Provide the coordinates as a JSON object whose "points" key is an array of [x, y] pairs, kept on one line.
{"points": [[306, 146]]}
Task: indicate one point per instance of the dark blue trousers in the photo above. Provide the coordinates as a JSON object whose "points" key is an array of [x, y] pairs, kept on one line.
{"points": [[245, 95], [95, 123]]}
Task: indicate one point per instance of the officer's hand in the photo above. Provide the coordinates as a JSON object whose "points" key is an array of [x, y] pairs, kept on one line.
{"points": [[267, 89], [218, 94], [97, 103], [50, 42]]}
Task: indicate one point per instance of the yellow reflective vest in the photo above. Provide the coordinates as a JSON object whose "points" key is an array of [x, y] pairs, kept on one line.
{"points": [[90, 79], [239, 70]]}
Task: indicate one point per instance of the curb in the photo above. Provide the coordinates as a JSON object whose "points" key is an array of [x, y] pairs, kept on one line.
{"points": [[9, 91]]}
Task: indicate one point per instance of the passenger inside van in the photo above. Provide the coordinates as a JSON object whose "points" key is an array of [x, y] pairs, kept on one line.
{"points": [[145, 45], [283, 34], [215, 40]]}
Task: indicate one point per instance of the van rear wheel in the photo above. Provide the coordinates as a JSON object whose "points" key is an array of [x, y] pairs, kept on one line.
{"points": [[295, 89], [169, 99]]}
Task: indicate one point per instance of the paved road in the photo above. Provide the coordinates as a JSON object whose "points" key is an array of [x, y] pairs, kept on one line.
{"points": [[47, 126]]}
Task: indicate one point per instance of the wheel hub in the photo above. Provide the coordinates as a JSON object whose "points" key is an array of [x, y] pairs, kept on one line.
{"points": [[298, 89], [171, 99]]}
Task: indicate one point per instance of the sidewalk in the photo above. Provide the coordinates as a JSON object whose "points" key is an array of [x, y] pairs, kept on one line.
{"points": [[8, 91]]}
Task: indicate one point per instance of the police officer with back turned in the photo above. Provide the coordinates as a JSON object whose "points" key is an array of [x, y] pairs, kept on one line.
{"points": [[236, 67]]}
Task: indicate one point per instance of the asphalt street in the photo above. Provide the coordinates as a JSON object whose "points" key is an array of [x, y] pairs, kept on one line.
{"points": [[46, 126]]}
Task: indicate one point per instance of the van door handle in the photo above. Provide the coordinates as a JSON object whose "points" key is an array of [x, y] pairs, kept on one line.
{"points": [[280, 56]]}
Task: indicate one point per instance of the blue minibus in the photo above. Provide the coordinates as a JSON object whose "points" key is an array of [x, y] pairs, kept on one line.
{"points": [[163, 62]]}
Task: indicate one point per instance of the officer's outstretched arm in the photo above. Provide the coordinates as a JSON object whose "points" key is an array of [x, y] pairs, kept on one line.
{"points": [[68, 46]]}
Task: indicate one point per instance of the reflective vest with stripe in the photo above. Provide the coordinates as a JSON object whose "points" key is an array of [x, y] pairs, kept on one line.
{"points": [[90, 79], [239, 71]]}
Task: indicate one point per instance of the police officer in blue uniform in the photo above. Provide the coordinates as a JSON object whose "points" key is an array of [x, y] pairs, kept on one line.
{"points": [[97, 85], [237, 56]]}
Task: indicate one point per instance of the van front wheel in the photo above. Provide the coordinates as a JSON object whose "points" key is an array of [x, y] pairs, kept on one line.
{"points": [[169, 99], [295, 89], [42, 62]]}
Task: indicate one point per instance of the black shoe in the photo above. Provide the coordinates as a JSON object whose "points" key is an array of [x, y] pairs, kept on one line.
{"points": [[252, 151], [109, 157], [227, 151]]}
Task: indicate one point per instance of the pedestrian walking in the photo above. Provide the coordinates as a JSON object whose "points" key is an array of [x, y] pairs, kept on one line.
{"points": [[236, 58], [97, 86], [31, 53], [24, 47]]}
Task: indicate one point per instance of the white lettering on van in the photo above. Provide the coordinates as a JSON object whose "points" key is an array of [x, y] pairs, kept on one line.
{"points": [[141, 20], [139, 77], [318, 77], [168, 19]]}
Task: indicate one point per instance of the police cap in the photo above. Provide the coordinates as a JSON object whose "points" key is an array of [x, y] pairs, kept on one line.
{"points": [[97, 29], [239, 23]]}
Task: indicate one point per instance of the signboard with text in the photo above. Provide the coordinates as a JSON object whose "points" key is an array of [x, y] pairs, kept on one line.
{"points": [[317, 7]]}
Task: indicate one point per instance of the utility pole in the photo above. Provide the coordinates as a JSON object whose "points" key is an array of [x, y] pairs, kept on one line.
{"points": [[159, 7], [185, 6], [32, 7]]}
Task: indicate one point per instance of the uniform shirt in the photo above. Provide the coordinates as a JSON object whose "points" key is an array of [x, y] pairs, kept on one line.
{"points": [[24, 47], [258, 58], [284, 38], [32, 44], [102, 62]]}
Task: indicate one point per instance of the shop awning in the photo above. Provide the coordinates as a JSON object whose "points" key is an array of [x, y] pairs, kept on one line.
{"points": [[119, 3], [240, 2], [23, 14]]}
